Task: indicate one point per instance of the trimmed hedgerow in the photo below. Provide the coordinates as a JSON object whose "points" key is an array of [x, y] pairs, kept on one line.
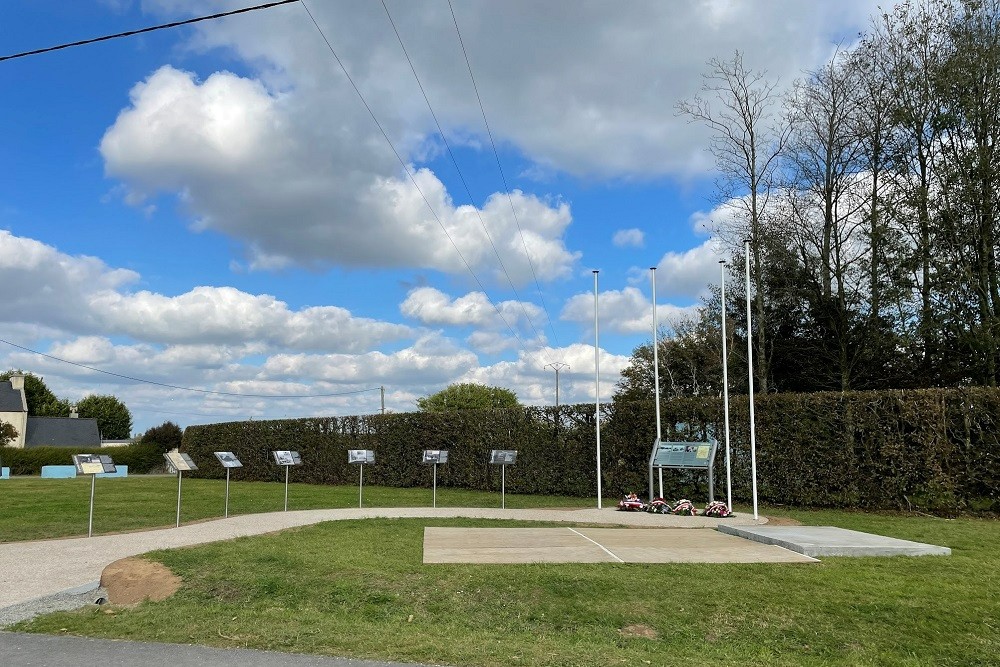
{"points": [[934, 449], [140, 459]]}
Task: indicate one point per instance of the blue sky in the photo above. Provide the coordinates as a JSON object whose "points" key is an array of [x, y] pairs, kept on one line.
{"points": [[212, 207]]}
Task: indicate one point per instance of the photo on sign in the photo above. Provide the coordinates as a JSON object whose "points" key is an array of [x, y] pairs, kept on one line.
{"points": [[88, 464], [179, 462], [503, 457], [360, 456], [435, 456], [228, 460], [286, 458]]}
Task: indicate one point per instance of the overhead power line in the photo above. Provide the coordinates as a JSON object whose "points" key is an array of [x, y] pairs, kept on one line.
{"points": [[409, 173], [130, 33], [174, 386], [503, 177]]}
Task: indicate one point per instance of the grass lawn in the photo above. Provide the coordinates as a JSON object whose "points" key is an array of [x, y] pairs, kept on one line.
{"points": [[32, 508], [358, 588]]}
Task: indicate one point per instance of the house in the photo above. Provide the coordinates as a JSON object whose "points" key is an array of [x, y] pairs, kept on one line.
{"points": [[43, 431]]}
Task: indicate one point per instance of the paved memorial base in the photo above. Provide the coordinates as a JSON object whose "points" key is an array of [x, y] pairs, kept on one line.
{"points": [[596, 545], [818, 541]]}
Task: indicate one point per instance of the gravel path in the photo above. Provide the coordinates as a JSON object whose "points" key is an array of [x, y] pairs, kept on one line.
{"points": [[42, 576]]}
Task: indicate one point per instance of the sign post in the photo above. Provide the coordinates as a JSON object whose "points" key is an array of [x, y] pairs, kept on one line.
{"points": [[435, 456], [287, 459], [179, 462], [228, 461], [360, 457], [93, 465], [503, 458], [684, 456]]}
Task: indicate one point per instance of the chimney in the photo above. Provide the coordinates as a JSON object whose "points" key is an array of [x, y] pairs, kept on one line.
{"points": [[72, 412], [17, 382]]}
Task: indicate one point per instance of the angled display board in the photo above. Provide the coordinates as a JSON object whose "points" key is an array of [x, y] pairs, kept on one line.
{"points": [[684, 456], [93, 464], [435, 456], [287, 458], [360, 456], [503, 457], [179, 462], [228, 460]]}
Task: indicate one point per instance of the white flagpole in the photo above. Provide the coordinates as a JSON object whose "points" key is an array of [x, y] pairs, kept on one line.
{"points": [[725, 389], [753, 434], [597, 392], [656, 370]]}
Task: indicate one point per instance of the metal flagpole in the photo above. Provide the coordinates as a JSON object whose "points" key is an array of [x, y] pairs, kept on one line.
{"points": [[753, 435], [725, 389], [656, 369], [597, 392]]}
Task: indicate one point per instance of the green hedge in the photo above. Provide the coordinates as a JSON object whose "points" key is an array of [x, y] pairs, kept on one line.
{"points": [[933, 450], [140, 459]]}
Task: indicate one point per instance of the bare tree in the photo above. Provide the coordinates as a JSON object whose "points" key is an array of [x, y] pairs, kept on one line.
{"points": [[737, 105]]}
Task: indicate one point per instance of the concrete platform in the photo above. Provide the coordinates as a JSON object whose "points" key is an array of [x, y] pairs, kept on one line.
{"points": [[818, 541], [597, 545]]}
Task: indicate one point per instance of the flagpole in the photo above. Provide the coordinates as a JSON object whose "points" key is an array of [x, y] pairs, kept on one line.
{"points": [[753, 435], [597, 391], [656, 370], [725, 389]]}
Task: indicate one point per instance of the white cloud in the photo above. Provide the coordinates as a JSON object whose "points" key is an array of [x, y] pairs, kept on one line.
{"points": [[625, 238], [687, 275], [626, 311]]}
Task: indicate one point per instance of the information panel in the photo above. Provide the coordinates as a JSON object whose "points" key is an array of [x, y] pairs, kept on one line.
{"points": [[286, 458], [503, 457], [695, 455], [228, 460], [435, 456], [179, 462], [93, 464], [361, 456]]}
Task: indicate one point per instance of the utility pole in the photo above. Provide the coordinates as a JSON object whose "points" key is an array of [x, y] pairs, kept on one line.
{"points": [[556, 366], [382, 391]]}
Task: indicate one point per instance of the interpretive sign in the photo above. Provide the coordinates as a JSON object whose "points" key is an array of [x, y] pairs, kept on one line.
{"points": [[228, 460], [287, 458], [93, 464], [362, 456], [435, 456], [683, 456], [503, 457], [179, 462]]}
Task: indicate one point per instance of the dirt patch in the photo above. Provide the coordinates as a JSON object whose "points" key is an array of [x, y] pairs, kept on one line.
{"points": [[132, 580], [640, 631], [782, 521]]}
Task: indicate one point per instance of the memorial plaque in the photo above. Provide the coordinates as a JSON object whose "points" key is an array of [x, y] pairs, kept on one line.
{"points": [[683, 455], [93, 464], [361, 456], [179, 462], [432, 456], [287, 458], [228, 460], [503, 457]]}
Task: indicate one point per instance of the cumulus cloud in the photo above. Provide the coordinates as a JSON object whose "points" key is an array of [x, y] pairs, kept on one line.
{"points": [[625, 238], [248, 164], [626, 311]]}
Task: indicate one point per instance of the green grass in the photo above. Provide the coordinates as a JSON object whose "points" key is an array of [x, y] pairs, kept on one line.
{"points": [[359, 588], [32, 508]]}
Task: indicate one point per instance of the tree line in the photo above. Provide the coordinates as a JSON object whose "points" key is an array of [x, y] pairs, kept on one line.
{"points": [[869, 194]]}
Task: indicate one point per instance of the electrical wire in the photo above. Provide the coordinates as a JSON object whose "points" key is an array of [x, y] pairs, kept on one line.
{"points": [[409, 173], [192, 389], [461, 176], [503, 177], [130, 33]]}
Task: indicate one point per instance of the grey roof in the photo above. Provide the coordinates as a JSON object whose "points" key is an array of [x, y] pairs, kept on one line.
{"points": [[61, 432], [10, 398]]}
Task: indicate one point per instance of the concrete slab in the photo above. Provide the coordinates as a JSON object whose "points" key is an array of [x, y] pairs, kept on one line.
{"points": [[818, 541], [596, 545]]}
